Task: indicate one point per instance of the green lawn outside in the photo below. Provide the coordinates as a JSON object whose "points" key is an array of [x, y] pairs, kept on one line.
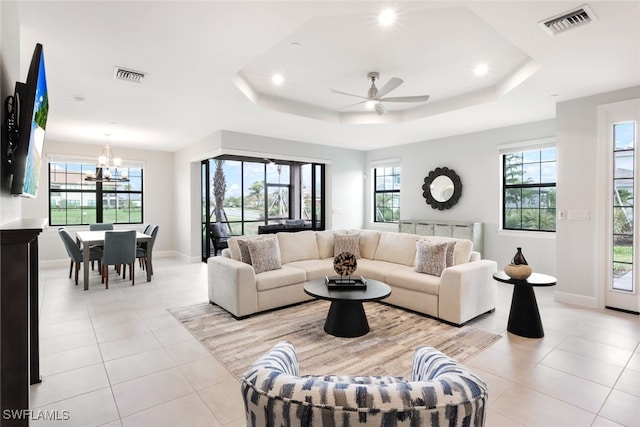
{"points": [[73, 216]]}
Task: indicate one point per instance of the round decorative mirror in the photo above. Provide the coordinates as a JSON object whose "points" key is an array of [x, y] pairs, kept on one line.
{"points": [[442, 188]]}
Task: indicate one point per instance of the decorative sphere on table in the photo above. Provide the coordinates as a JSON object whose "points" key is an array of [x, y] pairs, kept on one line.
{"points": [[345, 263]]}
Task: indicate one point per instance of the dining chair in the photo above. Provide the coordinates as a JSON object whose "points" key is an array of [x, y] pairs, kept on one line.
{"points": [[143, 252], [100, 226], [219, 237], [74, 251], [119, 250]]}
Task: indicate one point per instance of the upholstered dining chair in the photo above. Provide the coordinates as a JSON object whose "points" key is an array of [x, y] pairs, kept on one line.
{"points": [[100, 226], [144, 249], [119, 250], [74, 251], [219, 237]]}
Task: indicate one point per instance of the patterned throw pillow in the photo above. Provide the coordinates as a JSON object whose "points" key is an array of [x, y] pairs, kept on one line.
{"points": [[451, 247], [265, 254], [346, 243], [431, 257]]}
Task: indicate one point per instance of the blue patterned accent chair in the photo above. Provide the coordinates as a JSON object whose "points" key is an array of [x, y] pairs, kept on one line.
{"points": [[441, 392]]}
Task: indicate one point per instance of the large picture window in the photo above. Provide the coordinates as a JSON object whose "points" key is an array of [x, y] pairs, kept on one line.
{"points": [[74, 201], [386, 193], [529, 190]]}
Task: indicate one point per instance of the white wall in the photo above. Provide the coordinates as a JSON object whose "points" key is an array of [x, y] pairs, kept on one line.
{"points": [[158, 195], [475, 159], [344, 179], [577, 141]]}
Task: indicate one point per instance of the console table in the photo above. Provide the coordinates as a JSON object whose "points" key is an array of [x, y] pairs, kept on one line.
{"points": [[524, 316], [19, 341]]}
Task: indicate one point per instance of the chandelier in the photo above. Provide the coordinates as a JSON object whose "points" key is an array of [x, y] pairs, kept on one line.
{"points": [[107, 169]]}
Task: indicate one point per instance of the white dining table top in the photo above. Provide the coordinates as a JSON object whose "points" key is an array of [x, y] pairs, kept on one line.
{"points": [[97, 236]]}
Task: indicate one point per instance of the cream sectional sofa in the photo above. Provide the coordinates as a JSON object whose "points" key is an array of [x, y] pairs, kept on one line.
{"points": [[461, 293]]}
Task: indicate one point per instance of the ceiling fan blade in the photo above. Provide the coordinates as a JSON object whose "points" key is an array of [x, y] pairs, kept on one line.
{"points": [[348, 94], [389, 86], [380, 109], [419, 98], [353, 105]]}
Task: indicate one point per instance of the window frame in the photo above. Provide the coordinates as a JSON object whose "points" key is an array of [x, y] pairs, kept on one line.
{"points": [[521, 148], [397, 180], [99, 192]]}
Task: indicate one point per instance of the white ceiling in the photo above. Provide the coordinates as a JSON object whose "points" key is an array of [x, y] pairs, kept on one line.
{"points": [[209, 65]]}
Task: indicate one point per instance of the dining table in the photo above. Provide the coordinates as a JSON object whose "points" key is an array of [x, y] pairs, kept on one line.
{"points": [[90, 238]]}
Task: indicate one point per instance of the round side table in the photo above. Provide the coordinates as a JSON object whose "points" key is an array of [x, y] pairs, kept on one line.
{"points": [[524, 316]]}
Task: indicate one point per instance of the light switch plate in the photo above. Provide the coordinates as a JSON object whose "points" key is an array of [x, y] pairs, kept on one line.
{"points": [[578, 215]]}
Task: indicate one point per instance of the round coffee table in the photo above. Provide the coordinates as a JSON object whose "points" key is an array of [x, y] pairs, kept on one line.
{"points": [[346, 317], [524, 316]]}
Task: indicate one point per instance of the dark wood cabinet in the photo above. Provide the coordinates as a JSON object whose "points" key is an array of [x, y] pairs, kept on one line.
{"points": [[19, 347]]}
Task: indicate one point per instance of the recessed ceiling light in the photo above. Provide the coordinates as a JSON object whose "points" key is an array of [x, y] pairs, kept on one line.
{"points": [[79, 99], [277, 79], [387, 17], [481, 69], [294, 44]]}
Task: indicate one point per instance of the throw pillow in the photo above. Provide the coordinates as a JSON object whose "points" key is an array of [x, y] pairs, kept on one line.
{"points": [[265, 254], [244, 251], [431, 257], [451, 247], [346, 243]]}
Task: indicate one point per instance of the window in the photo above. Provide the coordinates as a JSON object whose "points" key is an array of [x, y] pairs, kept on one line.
{"points": [[623, 215], [529, 190], [386, 193], [74, 201]]}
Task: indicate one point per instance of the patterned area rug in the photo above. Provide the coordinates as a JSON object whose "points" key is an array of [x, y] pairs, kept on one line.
{"points": [[386, 350]]}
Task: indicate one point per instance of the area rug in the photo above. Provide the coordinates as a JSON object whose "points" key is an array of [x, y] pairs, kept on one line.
{"points": [[386, 350]]}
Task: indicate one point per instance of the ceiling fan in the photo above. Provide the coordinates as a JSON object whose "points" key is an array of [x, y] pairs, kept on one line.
{"points": [[376, 96]]}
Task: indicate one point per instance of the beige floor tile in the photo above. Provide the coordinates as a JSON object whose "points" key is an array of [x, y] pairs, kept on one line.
{"points": [[634, 362], [111, 319], [67, 342], [224, 399], [629, 382], [187, 351], [496, 419], [116, 423], [162, 321], [189, 411], [598, 351], [501, 364], [49, 330], [565, 387], [91, 409], [604, 336], [129, 345], [239, 422], [138, 365], [121, 330], [533, 408], [622, 408], [603, 422], [71, 359], [497, 385], [54, 388], [173, 335], [205, 372], [145, 392], [583, 367]]}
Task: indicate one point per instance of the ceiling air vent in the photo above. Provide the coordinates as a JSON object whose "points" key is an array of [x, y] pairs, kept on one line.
{"points": [[568, 20], [120, 73]]}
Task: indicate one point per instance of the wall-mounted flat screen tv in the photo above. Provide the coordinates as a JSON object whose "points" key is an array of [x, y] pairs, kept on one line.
{"points": [[33, 101]]}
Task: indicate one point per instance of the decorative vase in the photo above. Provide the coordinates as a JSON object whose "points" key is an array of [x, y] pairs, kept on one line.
{"points": [[518, 258], [518, 269]]}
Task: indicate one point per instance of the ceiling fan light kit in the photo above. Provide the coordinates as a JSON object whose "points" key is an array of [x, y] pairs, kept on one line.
{"points": [[376, 96]]}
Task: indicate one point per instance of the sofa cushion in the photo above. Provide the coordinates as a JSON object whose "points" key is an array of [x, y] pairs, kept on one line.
{"points": [[399, 248], [315, 268], [376, 270], [265, 254], [285, 276], [297, 246], [347, 243], [431, 257], [324, 239], [406, 278], [369, 243]]}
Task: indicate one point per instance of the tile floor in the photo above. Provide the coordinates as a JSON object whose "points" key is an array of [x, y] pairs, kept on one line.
{"points": [[118, 358]]}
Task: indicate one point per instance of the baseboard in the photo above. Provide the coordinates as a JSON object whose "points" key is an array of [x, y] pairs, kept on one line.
{"points": [[576, 299]]}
